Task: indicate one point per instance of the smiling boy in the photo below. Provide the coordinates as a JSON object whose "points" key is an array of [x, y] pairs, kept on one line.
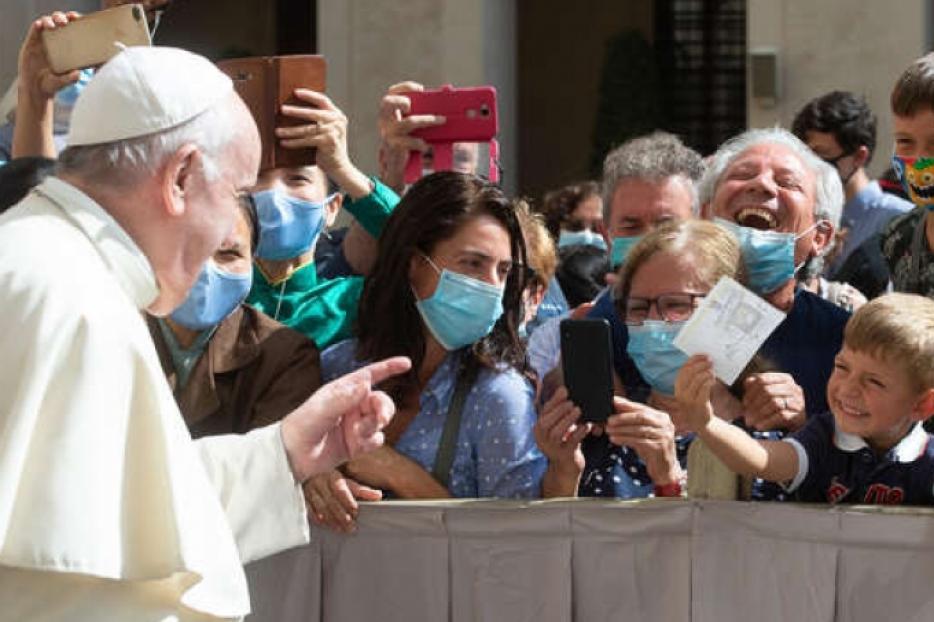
{"points": [[871, 446]]}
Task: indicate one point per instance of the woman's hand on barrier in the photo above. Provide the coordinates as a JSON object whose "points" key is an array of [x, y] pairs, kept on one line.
{"points": [[650, 433], [332, 500], [773, 401]]}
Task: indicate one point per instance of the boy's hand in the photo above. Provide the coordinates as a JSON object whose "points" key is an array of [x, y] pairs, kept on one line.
{"points": [[650, 434], [693, 385]]}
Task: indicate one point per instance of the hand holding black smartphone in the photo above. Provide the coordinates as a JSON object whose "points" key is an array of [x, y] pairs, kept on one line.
{"points": [[587, 363]]}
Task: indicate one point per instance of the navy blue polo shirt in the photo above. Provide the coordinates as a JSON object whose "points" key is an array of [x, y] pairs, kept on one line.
{"points": [[835, 467], [804, 345]]}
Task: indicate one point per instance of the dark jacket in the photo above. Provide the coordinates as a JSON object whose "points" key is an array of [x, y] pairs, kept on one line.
{"points": [[253, 372]]}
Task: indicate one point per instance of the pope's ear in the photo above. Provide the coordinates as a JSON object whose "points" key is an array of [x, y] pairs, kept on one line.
{"points": [[178, 175]]}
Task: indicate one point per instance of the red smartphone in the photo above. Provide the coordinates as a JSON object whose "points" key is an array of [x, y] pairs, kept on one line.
{"points": [[470, 117], [470, 113]]}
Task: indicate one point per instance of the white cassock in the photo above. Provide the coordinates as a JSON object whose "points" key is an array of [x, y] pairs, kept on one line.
{"points": [[108, 509]]}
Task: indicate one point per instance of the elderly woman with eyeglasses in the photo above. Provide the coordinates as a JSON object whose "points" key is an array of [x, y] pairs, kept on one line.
{"points": [[636, 453]]}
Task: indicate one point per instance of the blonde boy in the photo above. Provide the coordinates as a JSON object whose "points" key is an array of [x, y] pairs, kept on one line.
{"points": [[871, 446]]}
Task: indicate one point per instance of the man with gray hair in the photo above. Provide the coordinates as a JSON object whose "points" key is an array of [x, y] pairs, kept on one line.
{"points": [[647, 181], [108, 510], [783, 203]]}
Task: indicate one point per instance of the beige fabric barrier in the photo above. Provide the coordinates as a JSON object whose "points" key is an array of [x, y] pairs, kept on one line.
{"points": [[653, 559]]}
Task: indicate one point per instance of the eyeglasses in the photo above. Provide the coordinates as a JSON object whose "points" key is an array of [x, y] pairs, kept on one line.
{"points": [[672, 308]]}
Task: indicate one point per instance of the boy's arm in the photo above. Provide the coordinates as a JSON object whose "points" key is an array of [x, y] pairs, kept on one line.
{"points": [[775, 461], [772, 460]]}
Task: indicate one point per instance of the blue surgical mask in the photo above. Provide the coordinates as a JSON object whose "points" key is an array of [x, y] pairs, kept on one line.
{"points": [[621, 248], [462, 310], [584, 237], [652, 349], [65, 101], [769, 256], [288, 226], [213, 297]]}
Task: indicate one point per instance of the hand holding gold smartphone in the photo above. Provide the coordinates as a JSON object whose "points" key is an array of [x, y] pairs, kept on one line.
{"points": [[95, 38]]}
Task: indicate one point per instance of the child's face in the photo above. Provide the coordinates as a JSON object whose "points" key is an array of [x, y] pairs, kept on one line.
{"points": [[873, 398], [914, 135]]}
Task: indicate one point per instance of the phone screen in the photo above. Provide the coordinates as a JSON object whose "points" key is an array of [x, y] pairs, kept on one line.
{"points": [[587, 363]]}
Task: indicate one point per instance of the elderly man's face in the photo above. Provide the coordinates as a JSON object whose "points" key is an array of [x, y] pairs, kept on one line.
{"points": [[211, 205], [768, 187], [640, 205]]}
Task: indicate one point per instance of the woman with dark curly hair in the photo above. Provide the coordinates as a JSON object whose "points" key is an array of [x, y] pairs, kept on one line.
{"points": [[445, 291], [574, 215]]}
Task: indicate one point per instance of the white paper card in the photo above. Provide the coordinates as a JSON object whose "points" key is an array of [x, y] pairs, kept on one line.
{"points": [[730, 325]]}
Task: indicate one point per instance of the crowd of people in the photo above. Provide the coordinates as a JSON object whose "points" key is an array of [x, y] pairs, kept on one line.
{"points": [[149, 268]]}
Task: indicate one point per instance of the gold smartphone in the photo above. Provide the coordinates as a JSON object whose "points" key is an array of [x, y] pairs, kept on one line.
{"points": [[95, 38]]}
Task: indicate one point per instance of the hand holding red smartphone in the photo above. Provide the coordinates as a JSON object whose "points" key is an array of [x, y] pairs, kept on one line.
{"points": [[470, 117]]}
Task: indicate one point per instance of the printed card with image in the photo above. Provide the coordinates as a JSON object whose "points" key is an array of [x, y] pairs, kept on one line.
{"points": [[729, 326]]}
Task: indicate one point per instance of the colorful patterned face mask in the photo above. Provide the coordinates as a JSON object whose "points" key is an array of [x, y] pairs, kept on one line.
{"points": [[917, 177]]}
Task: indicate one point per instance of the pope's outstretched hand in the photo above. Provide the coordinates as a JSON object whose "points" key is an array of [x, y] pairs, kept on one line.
{"points": [[344, 418]]}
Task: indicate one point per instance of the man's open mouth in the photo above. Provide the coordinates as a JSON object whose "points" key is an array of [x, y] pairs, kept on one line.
{"points": [[757, 218]]}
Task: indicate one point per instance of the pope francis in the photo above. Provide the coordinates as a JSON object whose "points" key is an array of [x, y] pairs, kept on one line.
{"points": [[108, 509]]}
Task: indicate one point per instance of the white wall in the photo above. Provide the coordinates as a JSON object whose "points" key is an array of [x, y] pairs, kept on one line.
{"points": [[830, 45], [371, 44]]}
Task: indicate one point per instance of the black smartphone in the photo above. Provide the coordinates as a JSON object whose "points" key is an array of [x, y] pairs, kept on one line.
{"points": [[587, 363]]}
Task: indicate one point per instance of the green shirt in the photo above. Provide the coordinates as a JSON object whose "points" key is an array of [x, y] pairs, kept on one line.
{"points": [[324, 310], [373, 210]]}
